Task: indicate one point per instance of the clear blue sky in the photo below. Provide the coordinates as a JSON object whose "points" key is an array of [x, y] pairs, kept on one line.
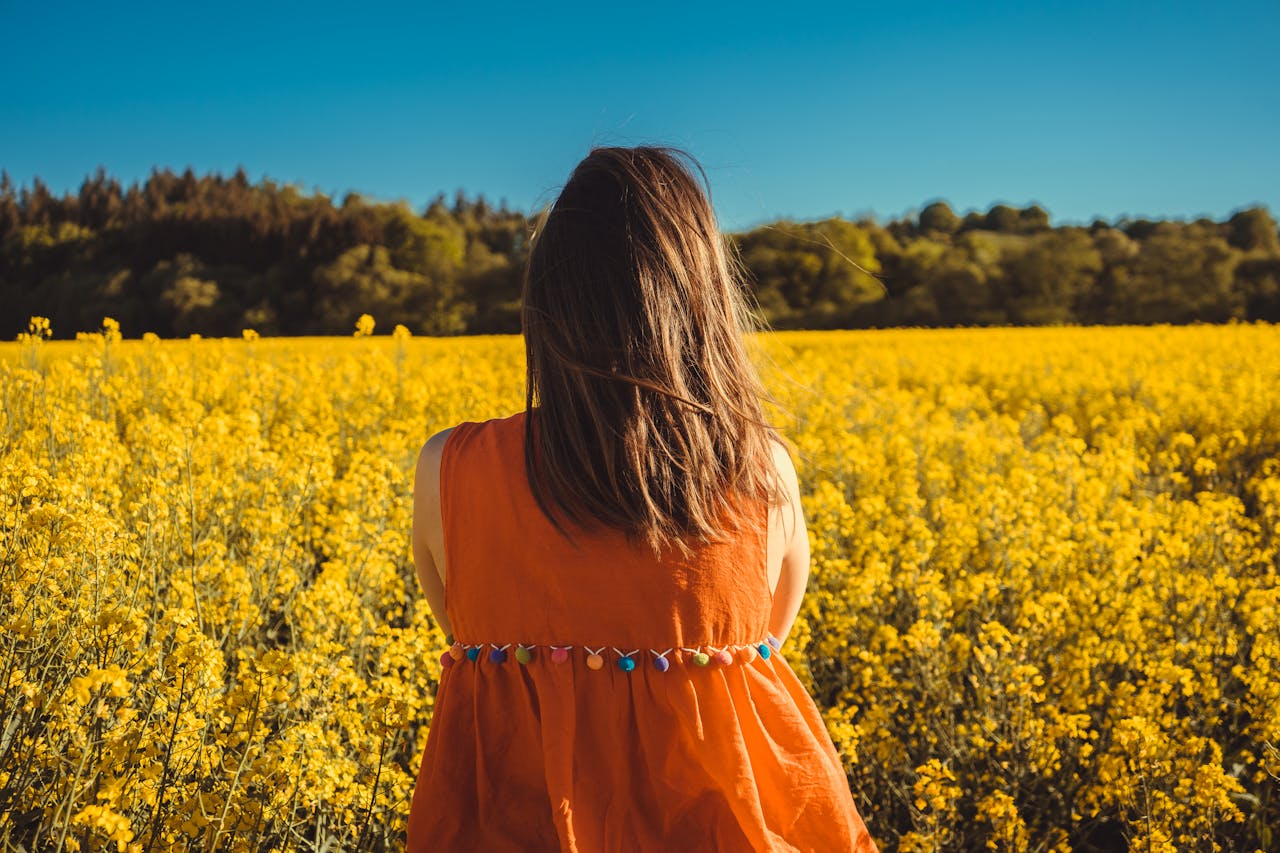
{"points": [[795, 110]]}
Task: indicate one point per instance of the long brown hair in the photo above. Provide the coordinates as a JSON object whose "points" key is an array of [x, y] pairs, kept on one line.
{"points": [[636, 319]]}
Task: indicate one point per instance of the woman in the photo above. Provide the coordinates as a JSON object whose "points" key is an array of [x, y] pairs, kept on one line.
{"points": [[618, 564]]}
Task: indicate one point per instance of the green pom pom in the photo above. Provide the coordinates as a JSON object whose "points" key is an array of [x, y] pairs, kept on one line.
{"points": [[522, 655], [702, 658]]}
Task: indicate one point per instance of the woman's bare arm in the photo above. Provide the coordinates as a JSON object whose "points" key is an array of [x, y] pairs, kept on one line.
{"points": [[788, 519], [428, 536]]}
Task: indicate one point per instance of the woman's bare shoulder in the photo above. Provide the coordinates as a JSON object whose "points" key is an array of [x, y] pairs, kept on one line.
{"points": [[783, 462], [436, 442], [432, 451], [429, 456]]}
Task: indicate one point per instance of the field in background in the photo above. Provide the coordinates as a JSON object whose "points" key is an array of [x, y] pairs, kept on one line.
{"points": [[1041, 613]]}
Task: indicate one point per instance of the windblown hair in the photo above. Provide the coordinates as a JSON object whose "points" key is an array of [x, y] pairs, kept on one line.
{"points": [[636, 319]]}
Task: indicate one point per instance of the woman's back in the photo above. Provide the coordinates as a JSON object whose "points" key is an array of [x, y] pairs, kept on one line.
{"points": [[605, 698]]}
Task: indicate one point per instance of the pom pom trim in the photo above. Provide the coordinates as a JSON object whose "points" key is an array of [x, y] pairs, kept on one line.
{"points": [[699, 656]]}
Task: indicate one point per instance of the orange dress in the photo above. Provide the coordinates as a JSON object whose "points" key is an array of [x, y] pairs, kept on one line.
{"points": [[574, 713]]}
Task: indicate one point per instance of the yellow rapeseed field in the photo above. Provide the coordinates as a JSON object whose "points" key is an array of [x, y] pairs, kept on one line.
{"points": [[1043, 612]]}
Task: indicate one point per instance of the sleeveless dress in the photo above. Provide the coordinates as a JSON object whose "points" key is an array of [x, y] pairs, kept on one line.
{"points": [[602, 700]]}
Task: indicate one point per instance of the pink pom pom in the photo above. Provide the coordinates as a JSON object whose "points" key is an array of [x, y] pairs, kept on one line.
{"points": [[559, 656]]}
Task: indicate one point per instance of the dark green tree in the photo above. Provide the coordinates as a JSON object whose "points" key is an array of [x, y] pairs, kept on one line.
{"points": [[1253, 230], [938, 218]]}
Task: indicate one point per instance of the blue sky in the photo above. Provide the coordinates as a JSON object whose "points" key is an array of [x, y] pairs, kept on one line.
{"points": [[795, 110]]}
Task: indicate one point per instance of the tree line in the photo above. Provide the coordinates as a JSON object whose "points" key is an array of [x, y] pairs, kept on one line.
{"points": [[180, 254]]}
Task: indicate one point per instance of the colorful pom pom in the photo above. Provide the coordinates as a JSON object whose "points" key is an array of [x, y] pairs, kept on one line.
{"points": [[764, 650], [723, 656], [775, 642], [446, 659], [473, 654], [595, 661], [498, 655], [523, 655], [702, 658], [662, 664], [560, 656], [749, 654], [456, 651], [626, 664]]}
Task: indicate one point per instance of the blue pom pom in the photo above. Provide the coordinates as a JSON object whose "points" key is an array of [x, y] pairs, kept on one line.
{"points": [[662, 664], [473, 654], [498, 655], [765, 650], [626, 664]]}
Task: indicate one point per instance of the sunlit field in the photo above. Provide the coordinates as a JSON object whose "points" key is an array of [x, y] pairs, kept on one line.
{"points": [[1043, 610]]}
